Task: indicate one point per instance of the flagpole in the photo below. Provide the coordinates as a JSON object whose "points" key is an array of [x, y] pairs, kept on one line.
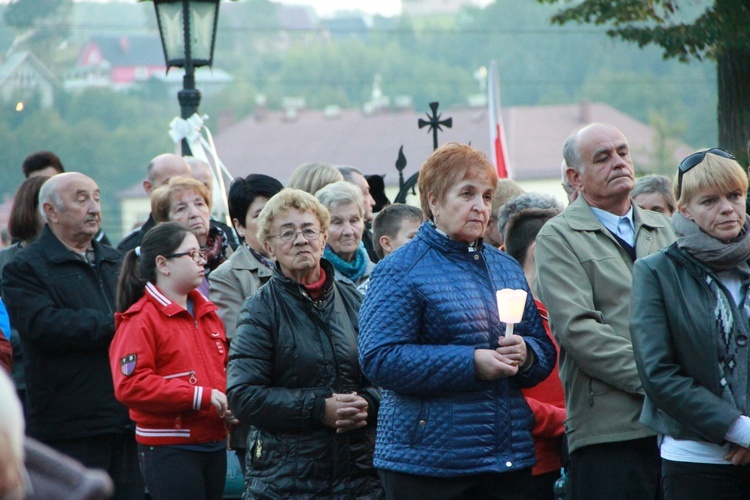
{"points": [[498, 145]]}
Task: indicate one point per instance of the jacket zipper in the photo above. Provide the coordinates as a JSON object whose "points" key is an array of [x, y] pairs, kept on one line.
{"points": [[192, 378]]}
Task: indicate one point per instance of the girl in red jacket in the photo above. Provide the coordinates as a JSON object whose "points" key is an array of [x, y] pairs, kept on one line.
{"points": [[168, 360]]}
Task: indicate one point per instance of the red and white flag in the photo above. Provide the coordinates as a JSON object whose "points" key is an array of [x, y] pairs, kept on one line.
{"points": [[497, 133]]}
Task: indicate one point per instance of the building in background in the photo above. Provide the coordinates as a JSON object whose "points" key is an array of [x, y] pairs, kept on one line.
{"points": [[26, 81], [276, 142]]}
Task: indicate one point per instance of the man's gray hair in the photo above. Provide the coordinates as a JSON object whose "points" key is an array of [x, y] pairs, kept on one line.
{"points": [[522, 202], [347, 172], [49, 194], [571, 154], [341, 193], [150, 171]]}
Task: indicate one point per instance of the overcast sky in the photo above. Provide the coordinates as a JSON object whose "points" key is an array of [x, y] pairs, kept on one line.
{"points": [[326, 7]]}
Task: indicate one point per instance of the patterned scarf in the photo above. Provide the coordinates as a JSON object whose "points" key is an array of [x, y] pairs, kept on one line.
{"points": [[352, 270], [216, 245], [732, 322], [269, 263]]}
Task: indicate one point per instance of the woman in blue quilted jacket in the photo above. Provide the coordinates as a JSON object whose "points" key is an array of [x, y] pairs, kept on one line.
{"points": [[452, 421]]}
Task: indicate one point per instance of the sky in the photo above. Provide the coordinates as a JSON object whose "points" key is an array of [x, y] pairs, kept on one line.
{"points": [[326, 7]]}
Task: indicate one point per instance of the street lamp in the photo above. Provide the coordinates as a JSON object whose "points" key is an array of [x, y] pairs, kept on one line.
{"points": [[188, 35]]}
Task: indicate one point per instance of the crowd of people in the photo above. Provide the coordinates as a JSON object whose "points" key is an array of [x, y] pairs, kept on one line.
{"points": [[348, 348]]}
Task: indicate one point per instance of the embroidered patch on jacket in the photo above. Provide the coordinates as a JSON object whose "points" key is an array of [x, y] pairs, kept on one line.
{"points": [[127, 364]]}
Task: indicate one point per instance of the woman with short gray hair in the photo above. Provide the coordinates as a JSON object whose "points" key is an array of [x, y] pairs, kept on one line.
{"points": [[345, 249], [654, 192]]}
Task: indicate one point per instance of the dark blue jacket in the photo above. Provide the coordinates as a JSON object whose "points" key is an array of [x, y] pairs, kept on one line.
{"points": [[429, 306], [64, 310]]}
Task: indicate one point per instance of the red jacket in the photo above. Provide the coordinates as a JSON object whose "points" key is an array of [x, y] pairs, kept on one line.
{"points": [[164, 364], [547, 401], [6, 353]]}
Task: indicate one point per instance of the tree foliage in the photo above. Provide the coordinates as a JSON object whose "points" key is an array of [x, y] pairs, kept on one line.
{"points": [[668, 23], [683, 31], [40, 25]]}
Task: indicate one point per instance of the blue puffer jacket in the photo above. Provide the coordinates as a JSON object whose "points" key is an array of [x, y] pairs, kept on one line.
{"points": [[429, 306]]}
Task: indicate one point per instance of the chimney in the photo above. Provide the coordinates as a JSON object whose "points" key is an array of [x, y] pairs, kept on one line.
{"points": [[585, 117]]}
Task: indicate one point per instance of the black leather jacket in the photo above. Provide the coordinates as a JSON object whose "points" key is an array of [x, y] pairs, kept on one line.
{"points": [[675, 336], [63, 309], [288, 355]]}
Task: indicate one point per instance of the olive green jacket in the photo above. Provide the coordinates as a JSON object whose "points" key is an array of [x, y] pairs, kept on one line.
{"points": [[584, 279]]}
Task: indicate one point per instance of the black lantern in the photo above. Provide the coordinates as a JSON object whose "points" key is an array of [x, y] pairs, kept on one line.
{"points": [[188, 35]]}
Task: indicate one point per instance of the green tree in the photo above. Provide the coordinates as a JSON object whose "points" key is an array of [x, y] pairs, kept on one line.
{"points": [[40, 25], [719, 32]]}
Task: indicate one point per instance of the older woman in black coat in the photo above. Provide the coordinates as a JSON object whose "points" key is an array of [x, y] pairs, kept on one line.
{"points": [[293, 373]]}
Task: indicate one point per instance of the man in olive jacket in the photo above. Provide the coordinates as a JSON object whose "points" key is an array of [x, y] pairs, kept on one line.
{"points": [[584, 262]]}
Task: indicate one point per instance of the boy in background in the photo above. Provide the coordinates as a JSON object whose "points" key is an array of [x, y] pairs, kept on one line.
{"points": [[393, 226], [546, 399]]}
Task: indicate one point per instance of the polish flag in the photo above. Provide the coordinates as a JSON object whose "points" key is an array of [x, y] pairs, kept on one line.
{"points": [[497, 133]]}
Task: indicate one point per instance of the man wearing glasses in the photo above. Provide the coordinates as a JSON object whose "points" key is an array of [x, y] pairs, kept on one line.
{"points": [[60, 294], [584, 271]]}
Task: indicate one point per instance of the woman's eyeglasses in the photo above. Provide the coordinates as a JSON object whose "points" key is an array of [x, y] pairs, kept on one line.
{"points": [[197, 255], [694, 159], [310, 234]]}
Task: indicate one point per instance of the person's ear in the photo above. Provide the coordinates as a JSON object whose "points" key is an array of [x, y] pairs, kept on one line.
{"points": [[238, 227], [385, 243], [530, 256], [432, 201], [162, 265], [685, 211], [148, 186], [50, 210], [574, 177], [269, 249]]}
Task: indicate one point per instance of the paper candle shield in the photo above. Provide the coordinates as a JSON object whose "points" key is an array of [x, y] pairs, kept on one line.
{"points": [[510, 305]]}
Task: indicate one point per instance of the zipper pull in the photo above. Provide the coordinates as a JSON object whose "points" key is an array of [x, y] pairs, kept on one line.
{"points": [[258, 449]]}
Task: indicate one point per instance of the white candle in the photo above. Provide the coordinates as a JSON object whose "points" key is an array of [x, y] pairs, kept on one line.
{"points": [[510, 306]]}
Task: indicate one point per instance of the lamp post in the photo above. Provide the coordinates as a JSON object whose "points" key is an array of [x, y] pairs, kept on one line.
{"points": [[188, 35]]}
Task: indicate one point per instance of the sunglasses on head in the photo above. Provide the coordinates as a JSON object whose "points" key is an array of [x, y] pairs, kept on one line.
{"points": [[694, 159]]}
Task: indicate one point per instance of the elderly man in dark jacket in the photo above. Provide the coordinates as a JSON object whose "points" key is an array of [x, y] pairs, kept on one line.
{"points": [[60, 295]]}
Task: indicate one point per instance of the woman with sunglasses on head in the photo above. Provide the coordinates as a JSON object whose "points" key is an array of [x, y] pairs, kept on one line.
{"points": [[690, 322], [168, 360]]}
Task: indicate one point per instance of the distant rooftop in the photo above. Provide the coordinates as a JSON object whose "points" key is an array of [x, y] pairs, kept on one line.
{"points": [[278, 143]]}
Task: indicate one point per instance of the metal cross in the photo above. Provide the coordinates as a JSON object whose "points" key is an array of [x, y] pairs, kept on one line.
{"points": [[435, 123], [400, 166]]}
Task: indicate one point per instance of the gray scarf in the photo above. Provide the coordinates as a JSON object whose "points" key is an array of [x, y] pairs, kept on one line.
{"points": [[715, 254]]}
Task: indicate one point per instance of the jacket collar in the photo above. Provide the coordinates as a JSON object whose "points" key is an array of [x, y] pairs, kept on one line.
{"points": [[57, 252], [169, 308], [243, 260], [431, 235], [580, 217], [298, 288]]}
